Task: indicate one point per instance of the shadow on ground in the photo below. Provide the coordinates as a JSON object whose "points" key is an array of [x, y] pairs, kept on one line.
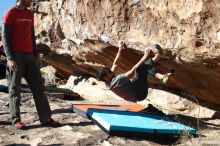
{"points": [[198, 124], [30, 127], [5, 123], [62, 110]]}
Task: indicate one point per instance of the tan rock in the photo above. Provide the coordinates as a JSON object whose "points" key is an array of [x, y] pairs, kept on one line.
{"points": [[190, 29]]}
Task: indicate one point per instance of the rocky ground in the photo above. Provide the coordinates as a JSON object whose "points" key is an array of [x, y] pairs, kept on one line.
{"points": [[76, 130]]}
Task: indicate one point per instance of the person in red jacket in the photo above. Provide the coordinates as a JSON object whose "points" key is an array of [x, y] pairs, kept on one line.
{"points": [[23, 61]]}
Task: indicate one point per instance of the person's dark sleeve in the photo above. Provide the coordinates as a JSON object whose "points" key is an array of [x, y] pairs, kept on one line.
{"points": [[6, 30], [35, 51]]}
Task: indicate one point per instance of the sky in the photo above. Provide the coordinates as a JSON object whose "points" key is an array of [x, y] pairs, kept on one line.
{"points": [[4, 5]]}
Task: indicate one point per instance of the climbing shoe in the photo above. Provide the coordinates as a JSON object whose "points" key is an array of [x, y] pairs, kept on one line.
{"points": [[19, 125], [166, 77]]}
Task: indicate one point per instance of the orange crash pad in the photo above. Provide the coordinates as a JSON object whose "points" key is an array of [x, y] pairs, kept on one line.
{"points": [[83, 108]]}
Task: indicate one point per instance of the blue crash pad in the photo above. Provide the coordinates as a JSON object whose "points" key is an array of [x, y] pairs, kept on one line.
{"points": [[136, 122]]}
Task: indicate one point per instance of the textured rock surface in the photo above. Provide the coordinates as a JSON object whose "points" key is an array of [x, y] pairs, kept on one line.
{"points": [[190, 29]]}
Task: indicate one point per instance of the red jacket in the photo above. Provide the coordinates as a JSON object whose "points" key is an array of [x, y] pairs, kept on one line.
{"points": [[21, 23]]}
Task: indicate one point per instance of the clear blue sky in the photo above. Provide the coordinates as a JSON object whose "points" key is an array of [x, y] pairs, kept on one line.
{"points": [[4, 5]]}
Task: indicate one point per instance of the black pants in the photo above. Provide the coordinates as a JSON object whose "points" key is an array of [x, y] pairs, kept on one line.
{"points": [[27, 68], [140, 81]]}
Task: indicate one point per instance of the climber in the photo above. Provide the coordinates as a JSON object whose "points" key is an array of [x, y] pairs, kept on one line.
{"points": [[136, 89]]}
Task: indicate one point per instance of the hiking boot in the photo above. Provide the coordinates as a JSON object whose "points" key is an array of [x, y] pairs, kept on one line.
{"points": [[51, 123], [156, 48], [19, 125]]}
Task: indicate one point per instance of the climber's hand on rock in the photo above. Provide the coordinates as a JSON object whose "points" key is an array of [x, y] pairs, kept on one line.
{"points": [[122, 45]]}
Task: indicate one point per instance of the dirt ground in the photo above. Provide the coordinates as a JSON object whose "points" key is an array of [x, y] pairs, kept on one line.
{"points": [[79, 131]]}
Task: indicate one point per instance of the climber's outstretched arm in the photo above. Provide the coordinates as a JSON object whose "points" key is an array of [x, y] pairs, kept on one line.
{"points": [[121, 46]]}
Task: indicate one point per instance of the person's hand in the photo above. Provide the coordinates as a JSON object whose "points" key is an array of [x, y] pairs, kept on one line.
{"points": [[147, 51], [12, 65], [39, 62], [121, 45]]}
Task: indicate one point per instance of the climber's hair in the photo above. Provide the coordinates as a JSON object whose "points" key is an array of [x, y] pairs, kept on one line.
{"points": [[102, 72]]}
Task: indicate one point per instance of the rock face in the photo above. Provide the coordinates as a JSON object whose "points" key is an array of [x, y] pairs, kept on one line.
{"points": [[87, 31]]}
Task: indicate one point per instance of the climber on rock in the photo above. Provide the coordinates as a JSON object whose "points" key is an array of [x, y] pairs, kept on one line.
{"points": [[135, 89]]}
